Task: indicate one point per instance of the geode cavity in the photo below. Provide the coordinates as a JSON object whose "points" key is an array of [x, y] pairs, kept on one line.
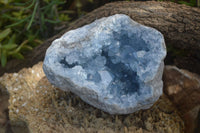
{"points": [[114, 64]]}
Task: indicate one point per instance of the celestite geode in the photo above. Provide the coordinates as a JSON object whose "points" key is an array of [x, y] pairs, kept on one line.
{"points": [[114, 64]]}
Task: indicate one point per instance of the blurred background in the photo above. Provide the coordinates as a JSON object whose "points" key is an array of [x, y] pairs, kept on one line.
{"points": [[25, 24]]}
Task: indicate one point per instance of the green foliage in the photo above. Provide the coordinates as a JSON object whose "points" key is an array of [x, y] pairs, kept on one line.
{"points": [[190, 3], [186, 2], [8, 47], [33, 16], [25, 23]]}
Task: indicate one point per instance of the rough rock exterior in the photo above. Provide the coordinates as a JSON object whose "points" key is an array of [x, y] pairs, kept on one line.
{"points": [[114, 64], [183, 89], [36, 106]]}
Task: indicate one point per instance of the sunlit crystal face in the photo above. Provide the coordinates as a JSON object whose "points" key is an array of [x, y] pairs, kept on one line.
{"points": [[117, 61]]}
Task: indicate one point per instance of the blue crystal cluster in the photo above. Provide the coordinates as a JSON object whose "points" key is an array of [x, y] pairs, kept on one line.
{"points": [[114, 64]]}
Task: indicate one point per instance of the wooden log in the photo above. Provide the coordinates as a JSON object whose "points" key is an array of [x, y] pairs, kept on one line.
{"points": [[180, 25]]}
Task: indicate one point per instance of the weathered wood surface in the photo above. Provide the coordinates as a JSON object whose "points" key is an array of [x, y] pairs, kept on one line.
{"points": [[180, 25]]}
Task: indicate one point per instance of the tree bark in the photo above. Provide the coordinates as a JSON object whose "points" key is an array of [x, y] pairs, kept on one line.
{"points": [[180, 25]]}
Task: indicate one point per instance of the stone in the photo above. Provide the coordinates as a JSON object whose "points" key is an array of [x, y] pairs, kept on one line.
{"points": [[36, 106], [114, 64], [183, 89]]}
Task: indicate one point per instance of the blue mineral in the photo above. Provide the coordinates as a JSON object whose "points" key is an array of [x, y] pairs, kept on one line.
{"points": [[114, 64]]}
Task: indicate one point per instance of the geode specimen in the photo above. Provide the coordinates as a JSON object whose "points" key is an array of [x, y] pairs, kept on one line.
{"points": [[114, 64]]}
